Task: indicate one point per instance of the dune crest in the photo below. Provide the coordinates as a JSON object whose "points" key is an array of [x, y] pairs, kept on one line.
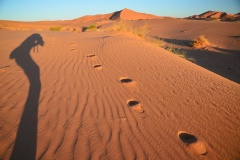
{"points": [[127, 14], [215, 15]]}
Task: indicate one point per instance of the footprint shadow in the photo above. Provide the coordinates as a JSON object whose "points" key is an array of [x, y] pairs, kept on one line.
{"points": [[90, 55], [98, 67], [125, 80], [129, 83], [192, 142], [135, 105]]}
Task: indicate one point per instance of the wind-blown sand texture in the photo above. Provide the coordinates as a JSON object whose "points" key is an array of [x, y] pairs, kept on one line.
{"points": [[84, 113], [222, 56], [112, 95]]}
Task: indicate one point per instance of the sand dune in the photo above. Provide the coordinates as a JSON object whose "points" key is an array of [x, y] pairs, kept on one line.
{"points": [[221, 57], [78, 23], [112, 95], [215, 15], [144, 102], [127, 14]]}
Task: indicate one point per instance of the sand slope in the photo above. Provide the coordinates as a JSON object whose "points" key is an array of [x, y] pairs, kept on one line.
{"points": [[105, 95], [214, 14], [127, 14], [223, 54]]}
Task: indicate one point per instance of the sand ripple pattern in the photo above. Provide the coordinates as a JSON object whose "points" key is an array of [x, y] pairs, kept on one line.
{"points": [[85, 112]]}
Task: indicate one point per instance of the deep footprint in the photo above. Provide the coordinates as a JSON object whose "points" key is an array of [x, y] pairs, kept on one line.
{"points": [[73, 49], [91, 55], [135, 105], [97, 66], [192, 142], [125, 80]]}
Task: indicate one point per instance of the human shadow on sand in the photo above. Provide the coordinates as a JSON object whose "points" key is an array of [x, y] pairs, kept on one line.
{"points": [[26, 138]]}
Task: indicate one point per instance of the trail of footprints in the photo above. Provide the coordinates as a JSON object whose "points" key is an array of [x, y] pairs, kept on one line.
{"points": [[96, 66], [188, 139], [73, 44]]}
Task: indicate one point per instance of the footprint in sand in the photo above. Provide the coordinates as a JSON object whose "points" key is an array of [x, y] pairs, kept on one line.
{"points": [[128, 82], [98, 66], [73, 49], [135, 105], [3, 69], [125, 80], [91, 55], [192, 142]]}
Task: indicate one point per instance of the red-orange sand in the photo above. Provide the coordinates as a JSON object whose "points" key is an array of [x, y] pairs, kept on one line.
{"points": [[108, 95]]}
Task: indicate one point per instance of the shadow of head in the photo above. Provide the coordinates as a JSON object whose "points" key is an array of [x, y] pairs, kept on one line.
{"points": [[23, 50], [34, 40]]}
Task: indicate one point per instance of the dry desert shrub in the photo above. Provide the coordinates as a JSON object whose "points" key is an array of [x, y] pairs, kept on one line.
{"points": [[92, 27], [181, 53], [159, 42], [58, 28], [126, 26], [200, 42], [141, 31], [121, 26]]}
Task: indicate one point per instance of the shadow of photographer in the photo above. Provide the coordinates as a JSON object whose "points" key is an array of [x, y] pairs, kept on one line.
{"points": [[26, 139]]}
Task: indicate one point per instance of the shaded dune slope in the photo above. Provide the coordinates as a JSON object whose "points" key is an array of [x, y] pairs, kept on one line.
{"points": [[214, 14], [89, 113]]}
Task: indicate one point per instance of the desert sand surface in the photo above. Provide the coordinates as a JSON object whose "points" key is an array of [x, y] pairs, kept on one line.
{"points": [[113, 95], [222, 56]]}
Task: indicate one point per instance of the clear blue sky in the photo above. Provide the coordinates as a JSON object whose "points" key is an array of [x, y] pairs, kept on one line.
{"points": [[33, 10]]}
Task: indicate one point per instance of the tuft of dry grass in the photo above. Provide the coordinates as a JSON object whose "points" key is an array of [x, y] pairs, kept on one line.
{"points": [[126, 26], [200, 42], [181, 53], [158, 42], [58, 28], [92, 27], [141, 31], [121, 26]]}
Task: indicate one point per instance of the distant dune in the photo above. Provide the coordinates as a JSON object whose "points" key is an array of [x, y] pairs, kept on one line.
{"points": [[215, 15], [127, 14]]}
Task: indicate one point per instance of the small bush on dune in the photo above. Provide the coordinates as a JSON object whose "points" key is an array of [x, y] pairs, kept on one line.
{"points": [[211, 19], [92, 26], [141, 31], [159, 42], [214, 19], [58, 28], [181, 53], [201, 41], [126, 26], [121, 26], [230, 19]]}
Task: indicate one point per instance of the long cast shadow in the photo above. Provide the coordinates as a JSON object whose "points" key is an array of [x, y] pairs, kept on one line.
{"points": [[223, 62], [26, 138]]}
